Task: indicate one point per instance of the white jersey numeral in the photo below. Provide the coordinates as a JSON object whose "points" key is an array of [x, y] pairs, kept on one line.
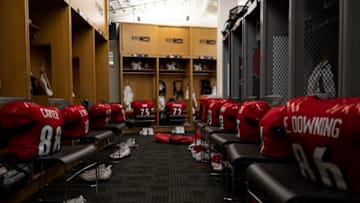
{"points": [[303, 161], [326, 168], [87, 124], [177, 111], [46, 136], [145, 111], [237, 128], [330, 173], [209, 117], [221, 122]]}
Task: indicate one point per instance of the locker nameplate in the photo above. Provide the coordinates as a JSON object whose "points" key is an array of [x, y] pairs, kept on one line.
{"points": [[141, 38], [174, 40], [208, 41]]}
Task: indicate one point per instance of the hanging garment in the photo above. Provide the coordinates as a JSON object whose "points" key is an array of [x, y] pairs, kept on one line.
{"points": [[178, 89], [321, 80], [45, 84], [128, 97], [162, 103], [162, 88]]}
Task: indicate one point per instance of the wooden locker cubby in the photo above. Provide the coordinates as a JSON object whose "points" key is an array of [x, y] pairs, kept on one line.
{"points": [[180, 74], [83, 62], [94, 12], [208, 66], [169, 80], [138, 39], [40, 57], [93, 34], [146, 64], [143, 81], [169, 76], [169, 83], [102, 68], [39, 34], [203, 42], [14, 48], [173, 65], [53, 20], [174, 41], [142, 86], [207, 72]]}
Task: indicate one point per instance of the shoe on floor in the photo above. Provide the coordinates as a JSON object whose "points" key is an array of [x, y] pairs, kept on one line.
{"points": [[144, 132], [79, 199], [123, 145], [191, 146], [216, 162], [197, 152], [131, 142], [104, 173], [150, 132], [121, 153]]}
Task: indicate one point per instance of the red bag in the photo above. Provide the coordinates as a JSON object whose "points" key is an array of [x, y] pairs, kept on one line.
{"points": [[181, 139], [173, 139], [162, 137]]}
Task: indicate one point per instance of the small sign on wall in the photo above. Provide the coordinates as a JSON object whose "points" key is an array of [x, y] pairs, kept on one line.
{"points": [[174, 40], [141, 38], [208, 41]]}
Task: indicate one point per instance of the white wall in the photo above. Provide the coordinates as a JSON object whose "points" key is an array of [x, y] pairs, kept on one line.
{"points": [[223, 14]]}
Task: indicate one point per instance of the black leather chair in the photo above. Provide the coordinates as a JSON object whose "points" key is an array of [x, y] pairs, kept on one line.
{"points": [[68, 157], [284, 183], [238, 157]]}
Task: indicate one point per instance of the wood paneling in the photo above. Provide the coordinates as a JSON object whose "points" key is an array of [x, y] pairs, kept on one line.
{"points": [[139, 39]]}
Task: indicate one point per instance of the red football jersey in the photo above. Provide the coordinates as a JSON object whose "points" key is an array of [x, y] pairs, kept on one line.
{"points": [[247, 120], [204, 100], [213, 109], [143, 108], [274, 142], [325, 136], [100, 115], [176, 108], [76, 121], [117, 113], [227, 117], [33, 130]]}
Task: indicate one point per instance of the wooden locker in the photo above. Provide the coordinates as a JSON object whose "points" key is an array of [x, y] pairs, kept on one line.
{"points": [[138, 39], [174, 41]]}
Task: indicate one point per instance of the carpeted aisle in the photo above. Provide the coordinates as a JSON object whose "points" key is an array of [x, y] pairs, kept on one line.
{"points": [[154, 172]]}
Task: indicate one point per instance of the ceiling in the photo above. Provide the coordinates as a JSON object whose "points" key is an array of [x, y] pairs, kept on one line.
{"points": [[136, 9], [125, 5]]}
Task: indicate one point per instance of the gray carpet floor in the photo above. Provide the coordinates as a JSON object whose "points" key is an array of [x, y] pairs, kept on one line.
{"points": [[153, 173]]}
